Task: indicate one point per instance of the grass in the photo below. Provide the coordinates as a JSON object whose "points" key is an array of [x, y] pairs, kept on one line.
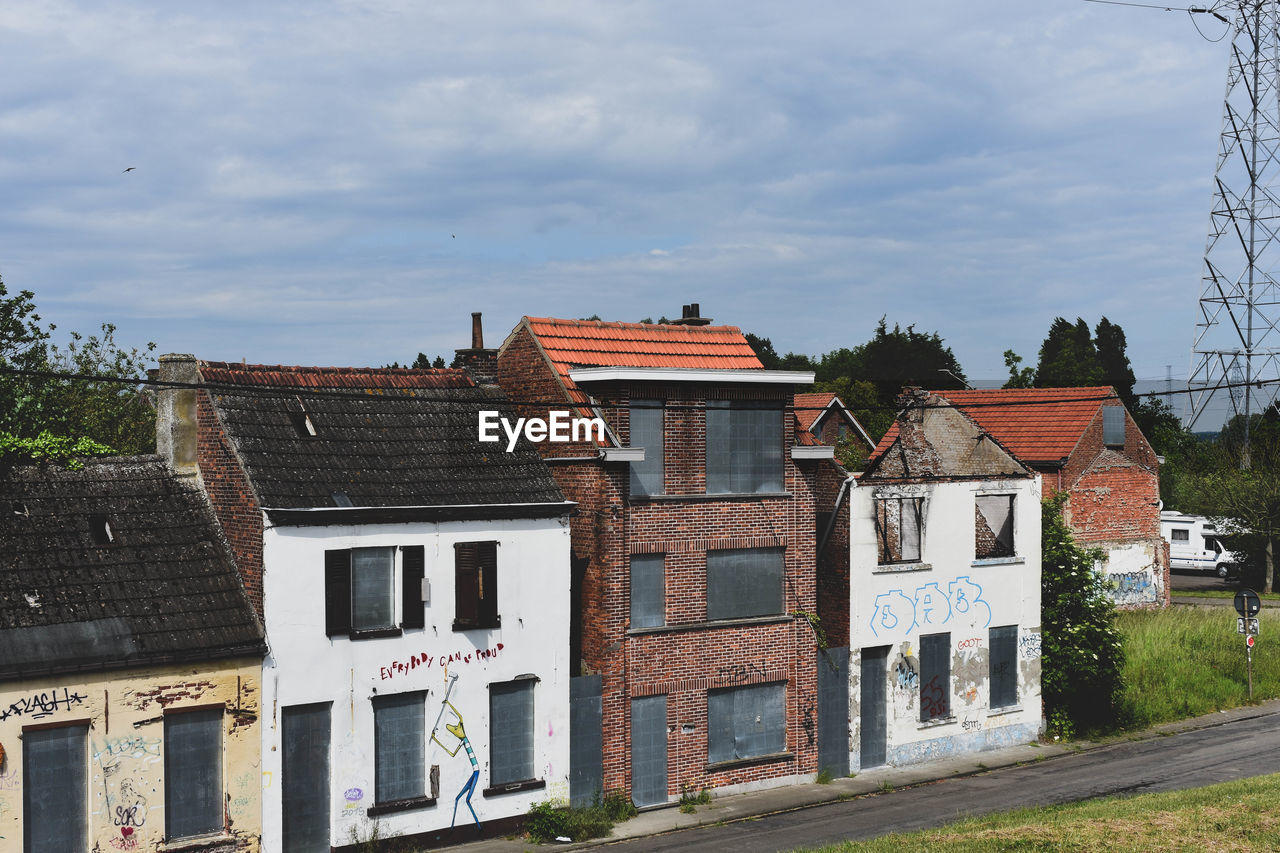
{"points": [[1224, 593], [548, 821], [1184, 662]]}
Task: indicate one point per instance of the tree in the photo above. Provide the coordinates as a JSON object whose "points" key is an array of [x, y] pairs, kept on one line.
{"points": [[859, 397], [1019, 377], [1068, 357], [769, 357], [1116, 370], [1082, 656]]}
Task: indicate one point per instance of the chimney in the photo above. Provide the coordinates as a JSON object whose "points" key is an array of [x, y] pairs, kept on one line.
{"points": [[689, 317], [176, 414], [481, 363]]}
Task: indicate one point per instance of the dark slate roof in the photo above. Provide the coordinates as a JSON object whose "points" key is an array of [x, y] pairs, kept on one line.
{"points": [[165, 590], [383, 438]]}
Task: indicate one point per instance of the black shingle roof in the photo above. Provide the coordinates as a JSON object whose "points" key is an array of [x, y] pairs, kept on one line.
{"points": [[383, 438], [163, 589]]}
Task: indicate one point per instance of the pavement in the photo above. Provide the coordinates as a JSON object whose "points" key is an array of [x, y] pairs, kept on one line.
{"points": [[774, 801]]}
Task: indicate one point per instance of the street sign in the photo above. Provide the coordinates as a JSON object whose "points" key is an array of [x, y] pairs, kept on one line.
{"points": [[1251, 625], [1249, 641], [1248, 603]]}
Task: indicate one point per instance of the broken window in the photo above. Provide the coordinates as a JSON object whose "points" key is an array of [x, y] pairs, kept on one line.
{"points": [[899, 522], [935, 677], [993, 527], [475, 585], [1004, 666], [746, 722]]}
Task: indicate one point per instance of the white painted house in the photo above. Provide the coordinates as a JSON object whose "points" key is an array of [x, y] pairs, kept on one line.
{"points": [[945, 594], [414, 585]]}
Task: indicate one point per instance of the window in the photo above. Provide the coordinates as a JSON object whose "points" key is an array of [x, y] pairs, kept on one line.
{"points": [[1113, 426], [511, 732], [648, 590], [475, 585], [935, 677], [993, 527], [1004, 666], [746, 722], [744, 448], [1181, 535], [360, 589], [399, 746], [55, 789], [744, 582], [898, 525], [193, 773], [646, 432]]}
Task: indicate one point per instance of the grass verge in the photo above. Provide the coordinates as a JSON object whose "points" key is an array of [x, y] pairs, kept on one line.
{"points": [[1224, 593], [1186, 661], [1228, 816]]}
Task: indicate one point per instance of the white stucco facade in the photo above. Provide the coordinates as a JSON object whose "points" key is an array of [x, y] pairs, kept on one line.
{"points": [[955, 601], [307, 667]]}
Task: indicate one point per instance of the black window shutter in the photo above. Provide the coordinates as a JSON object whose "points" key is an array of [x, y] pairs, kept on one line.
{"points": [[337, 592], [466, 583], [414, 563], [488, 605]]}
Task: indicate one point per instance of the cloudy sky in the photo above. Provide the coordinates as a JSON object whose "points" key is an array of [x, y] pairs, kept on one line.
{"points": [[344, 182]]}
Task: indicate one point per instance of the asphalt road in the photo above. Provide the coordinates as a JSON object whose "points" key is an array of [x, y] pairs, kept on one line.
{"points": [[1234, 750]]}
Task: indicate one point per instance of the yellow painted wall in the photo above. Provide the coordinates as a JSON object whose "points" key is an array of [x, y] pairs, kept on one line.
{"points": [[125, 712]]}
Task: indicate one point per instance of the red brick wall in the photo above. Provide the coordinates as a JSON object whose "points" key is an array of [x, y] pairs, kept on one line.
{"points": [[232, 497]]}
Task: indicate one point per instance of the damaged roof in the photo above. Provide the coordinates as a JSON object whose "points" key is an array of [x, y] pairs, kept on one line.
{"points": [[1038, 425], [325, 437], [118, 564]]}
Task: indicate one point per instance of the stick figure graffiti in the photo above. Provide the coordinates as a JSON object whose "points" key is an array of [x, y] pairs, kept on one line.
{"points": [[459, 732]]}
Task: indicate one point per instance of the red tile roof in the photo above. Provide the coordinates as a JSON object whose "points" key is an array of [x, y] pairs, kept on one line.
{"points": [[233, 373], [571, 344], [1034, 424], [809, 406]]}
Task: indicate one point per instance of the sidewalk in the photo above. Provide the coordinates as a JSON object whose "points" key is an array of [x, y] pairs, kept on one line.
{"points": [[756, 803]]}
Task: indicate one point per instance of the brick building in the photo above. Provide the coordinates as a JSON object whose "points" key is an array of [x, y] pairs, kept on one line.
{"points": [[1085, 443], [694, 563], [825, 417]]}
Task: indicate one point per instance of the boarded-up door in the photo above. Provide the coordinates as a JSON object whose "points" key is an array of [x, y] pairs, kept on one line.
{"points": [[649, 750], [586, 752], [55, 793], [305, 779], [873, 707], [833, 711]]}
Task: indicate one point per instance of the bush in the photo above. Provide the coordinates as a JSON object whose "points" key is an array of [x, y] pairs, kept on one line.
{"points": [[547, 821]]}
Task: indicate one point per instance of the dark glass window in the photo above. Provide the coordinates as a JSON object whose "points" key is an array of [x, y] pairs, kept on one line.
{"points": [[55, 791], [648, 590], [744, 582], [646, 432], [744, 448], [399, 745], [511, 732], [1113, 426], [1004, 666], [935, 676], [193, 773]]}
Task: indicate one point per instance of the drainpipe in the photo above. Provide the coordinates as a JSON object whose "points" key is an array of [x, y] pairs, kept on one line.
{"points": [[835, 512]]}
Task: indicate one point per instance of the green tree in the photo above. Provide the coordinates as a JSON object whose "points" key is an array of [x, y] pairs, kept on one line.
{"points": [[1019, 377], [1081, 651], [1116, 370], [1068, 357]]}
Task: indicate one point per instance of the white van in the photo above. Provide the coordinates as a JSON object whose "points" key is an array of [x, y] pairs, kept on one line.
{"points": [[1194, 543]]}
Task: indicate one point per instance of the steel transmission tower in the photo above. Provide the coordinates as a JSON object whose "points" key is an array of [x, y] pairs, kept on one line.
{"points": [[1236, 332]]}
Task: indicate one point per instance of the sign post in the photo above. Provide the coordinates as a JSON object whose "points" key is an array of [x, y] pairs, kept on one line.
{"points": [[1247, 605]]}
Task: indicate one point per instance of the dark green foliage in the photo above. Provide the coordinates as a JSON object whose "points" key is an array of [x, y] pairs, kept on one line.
{"points": [[547, 821], [1068, 357], [1082, 652], [1019, 377], [1116, 370], [892, 360], [772, 361], [44, 448]]}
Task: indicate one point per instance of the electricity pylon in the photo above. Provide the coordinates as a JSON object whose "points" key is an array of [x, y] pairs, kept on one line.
{"points": [[1240, 296]]}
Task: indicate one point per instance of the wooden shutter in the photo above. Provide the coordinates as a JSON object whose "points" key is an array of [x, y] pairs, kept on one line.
{"points": [[466, 586], [488, 592], [337, 592], [413, 564]]}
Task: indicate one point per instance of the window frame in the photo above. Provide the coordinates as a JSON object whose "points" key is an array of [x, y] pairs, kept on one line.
{"points": [[654, 464], [524, 776], [640, 567], [175, 772], [481, 607], [404, 591], [981, 518], [743, 472], [384, 707], [717, 607], [1185, 537], [772, 695], [29, 737], [1114, 426], [880, 519]]}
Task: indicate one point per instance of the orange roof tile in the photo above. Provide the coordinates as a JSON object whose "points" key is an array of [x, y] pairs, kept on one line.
{"points": [[809, 406], [571, 344], [1034, 424], [283, 376]]}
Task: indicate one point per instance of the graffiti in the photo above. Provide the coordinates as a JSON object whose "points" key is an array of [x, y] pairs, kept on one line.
{"points": [[807, 725], [738, 673], [39, 705], [132, 808], [459, 732], [972, 725], [353, 795], [971, 643], [908, 678], [929, 606], [398, 667], [126, 841], [933, 700], [9, 781], [134, 746], [1133, 587], [1029, 645]]}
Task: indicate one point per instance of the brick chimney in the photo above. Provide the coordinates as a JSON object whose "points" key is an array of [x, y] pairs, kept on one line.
{"points": [[176, 414], [481, 363], [689, 317]]}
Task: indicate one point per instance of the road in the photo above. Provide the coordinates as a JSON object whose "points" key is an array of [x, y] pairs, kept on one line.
{"points": [[1234, 750]]}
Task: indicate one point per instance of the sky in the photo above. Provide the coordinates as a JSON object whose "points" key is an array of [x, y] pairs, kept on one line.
{"points": [[345, 182]]}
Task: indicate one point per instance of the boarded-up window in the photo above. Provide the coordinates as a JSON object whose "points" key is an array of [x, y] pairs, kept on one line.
{"points": [[648, 591], [993, 526], [475, 585], [1113, 426], [372, 579], [55, 791], [646, 432], [744, 582], [744, 448], [746, 722], [899, 522], [399, 745], [511, 732], [193, 773], [935, 676], [1004, 666]]}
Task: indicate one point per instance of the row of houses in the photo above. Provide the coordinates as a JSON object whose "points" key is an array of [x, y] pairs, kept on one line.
{"points": [[335, 605]]}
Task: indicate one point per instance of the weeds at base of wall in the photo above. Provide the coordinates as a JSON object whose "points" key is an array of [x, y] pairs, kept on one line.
{"points": [[689, 801], [366, 836], [823, 777], [548, 821], [886, 787]]}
